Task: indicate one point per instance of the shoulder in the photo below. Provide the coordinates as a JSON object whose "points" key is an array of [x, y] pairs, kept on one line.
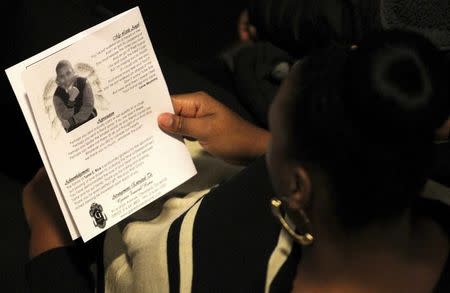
{"points": [[81, 79], [238, 210], [81, 82]]}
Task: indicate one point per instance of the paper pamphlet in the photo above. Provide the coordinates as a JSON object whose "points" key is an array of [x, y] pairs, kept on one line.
{"points": [[91, 103]]}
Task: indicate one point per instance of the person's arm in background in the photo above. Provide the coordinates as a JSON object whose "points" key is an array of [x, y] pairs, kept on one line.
{"points": [[87, 105], [219, 130], [56, 265]]}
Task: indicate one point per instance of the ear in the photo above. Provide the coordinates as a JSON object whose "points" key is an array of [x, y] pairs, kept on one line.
{"points": [[299, 189]]}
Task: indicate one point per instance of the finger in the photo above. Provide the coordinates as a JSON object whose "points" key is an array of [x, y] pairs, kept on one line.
{"points": [[197, 128], [192, 105], [42, 177]]}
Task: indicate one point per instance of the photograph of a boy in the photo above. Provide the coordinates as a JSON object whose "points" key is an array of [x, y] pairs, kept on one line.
{"points": [[73, 99]]}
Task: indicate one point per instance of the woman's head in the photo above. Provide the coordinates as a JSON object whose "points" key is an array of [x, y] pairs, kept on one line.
{"points": [[363, 120]]}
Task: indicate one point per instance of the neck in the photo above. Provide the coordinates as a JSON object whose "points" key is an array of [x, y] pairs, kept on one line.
{"points": [[383, 256], [342, 261], [334, 245]]}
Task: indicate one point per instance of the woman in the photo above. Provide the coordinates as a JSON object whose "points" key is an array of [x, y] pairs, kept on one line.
{"points": [[351, 148], [353, 158]]}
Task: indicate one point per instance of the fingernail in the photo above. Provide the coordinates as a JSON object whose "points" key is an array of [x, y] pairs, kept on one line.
{"points": [[166, 120]]}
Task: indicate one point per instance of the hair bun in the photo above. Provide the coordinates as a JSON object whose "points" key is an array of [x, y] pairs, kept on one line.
{"points": [[397, 85]]}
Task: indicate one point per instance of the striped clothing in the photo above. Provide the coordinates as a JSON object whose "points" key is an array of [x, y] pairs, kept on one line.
{"points": [[199, 243]]}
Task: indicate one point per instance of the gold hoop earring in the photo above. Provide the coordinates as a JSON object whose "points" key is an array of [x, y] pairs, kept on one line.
{"points": [[303, 239]]}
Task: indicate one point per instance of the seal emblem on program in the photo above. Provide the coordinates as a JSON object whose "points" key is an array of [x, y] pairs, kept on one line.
{"points": [[98, 216]]}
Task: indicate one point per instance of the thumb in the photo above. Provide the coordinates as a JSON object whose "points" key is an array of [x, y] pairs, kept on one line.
{"points": [[192, 127]]}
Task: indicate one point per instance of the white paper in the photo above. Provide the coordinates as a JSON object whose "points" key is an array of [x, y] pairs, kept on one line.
{"points": [[117, 161]]}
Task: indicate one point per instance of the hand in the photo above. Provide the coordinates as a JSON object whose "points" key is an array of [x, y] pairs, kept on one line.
{"points": [[73, 93], [219, 130], [65, 123], [43, 215]]}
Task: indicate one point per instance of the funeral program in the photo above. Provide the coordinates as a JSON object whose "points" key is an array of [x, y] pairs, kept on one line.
{"points": [[91, 103]]}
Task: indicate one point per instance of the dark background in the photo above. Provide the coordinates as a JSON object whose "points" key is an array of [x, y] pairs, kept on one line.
{"points": [[192, 33], [188, 36]]}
